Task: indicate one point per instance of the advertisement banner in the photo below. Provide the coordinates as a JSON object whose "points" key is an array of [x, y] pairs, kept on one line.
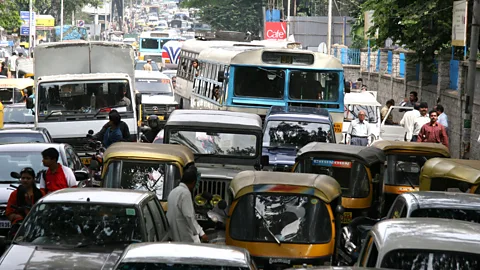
{"points": [[459, 23], [275, 31]]}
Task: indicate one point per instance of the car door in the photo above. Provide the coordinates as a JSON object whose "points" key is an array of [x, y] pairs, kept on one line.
{"points": [[393, 132], [369, 253], [398, 209], [150, 228], [77, 163], [159, 218]]}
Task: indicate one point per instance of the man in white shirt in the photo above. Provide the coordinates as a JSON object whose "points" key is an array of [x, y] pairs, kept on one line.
{"points": [[12, 66], [409, 119], [442, 116], [423, 119], [359, 131], [181, 214]]}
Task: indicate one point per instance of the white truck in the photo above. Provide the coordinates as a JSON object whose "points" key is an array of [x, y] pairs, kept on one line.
{"points": [[78, 84]]}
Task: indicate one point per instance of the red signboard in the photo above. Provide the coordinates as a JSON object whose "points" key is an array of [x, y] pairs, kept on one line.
{"points": [[275, 30]]}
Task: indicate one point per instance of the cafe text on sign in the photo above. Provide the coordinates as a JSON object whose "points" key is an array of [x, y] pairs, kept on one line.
{"points": [[275, 30]]}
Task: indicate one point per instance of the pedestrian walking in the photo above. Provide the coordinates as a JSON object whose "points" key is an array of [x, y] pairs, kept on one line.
{"points": [[148, 65], [420, 121], [12, 65], [57, 176], [408, 121], [181, 214], [359, 131], [442, 116], [433, 132]]}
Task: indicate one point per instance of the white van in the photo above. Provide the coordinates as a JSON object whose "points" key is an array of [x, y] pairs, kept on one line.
{"points": [[158, 97], [356, 102]]}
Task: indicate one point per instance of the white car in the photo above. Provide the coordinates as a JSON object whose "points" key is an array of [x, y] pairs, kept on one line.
{"points": [[361, 101], [394, 131]]}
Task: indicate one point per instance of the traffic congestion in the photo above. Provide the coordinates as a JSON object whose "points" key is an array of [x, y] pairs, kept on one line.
{"points": [[166, 145]]}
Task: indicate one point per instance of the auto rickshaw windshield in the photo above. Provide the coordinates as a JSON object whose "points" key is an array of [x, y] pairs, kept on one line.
{"points": [[262, 217], [404, 170], [351, 175], [143, 175]]}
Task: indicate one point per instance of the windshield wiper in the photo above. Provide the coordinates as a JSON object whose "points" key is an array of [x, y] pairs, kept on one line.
{"points": [[265, 225], [108, 243], [270, 71], [406, 177], [17, 122], [54, 112]]}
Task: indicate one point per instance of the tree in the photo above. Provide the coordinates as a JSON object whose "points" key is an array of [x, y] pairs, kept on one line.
{"points": [[422, 26], [230, 15], [9, 15]]}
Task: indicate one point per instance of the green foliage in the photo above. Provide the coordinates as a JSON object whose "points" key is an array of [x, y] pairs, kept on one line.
{"points": [[230, 15], [9, 15], [422, 26]]}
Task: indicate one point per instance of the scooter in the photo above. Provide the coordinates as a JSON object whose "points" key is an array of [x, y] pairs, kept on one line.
{"points": [[96, 163]]}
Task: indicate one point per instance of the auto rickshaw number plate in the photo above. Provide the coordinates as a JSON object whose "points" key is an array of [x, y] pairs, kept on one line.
{"points": [[338, 127], [200, 217], [347, 217], [86, 160]]}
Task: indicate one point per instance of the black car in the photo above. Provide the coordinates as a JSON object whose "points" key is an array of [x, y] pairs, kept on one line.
{"points": [[25, 135]]}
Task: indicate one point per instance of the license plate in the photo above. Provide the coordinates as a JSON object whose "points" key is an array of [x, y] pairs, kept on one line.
{"points": [[5, 224], [200, 217], [347, 217], [161, 117], [338, 127], [86, 160]]}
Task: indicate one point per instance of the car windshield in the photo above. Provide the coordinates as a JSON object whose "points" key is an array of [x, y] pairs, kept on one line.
{"points": [[174, 266], [259, 82], [351, 175], [143, 175], [73, 98], [17, 115], [416, 259], [295, 134], [76, 224], [404, 170], [314, 85], [216, 143], [15, 161], [262, 217], [351, 112], [139, 66], [448, 213], [157, 86], [19, 137]]}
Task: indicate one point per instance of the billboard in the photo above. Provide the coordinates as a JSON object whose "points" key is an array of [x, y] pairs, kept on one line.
{"points": [[275, 31]]}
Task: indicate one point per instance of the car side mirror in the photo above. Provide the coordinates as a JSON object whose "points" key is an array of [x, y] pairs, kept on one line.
{"points": [[81, 175], [94, 166], [339, 210], [221, 76], [29, 103], [138, 98], [15, 175]]}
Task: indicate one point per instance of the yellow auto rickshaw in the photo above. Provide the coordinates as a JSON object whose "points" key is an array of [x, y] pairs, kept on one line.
{"points": [[154, 167], [446, 174], [15, 90], [403, 165], [284, 219], [356, 168]]}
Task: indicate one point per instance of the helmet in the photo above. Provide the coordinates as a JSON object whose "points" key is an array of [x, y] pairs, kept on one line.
{"points": [[153, 121]]}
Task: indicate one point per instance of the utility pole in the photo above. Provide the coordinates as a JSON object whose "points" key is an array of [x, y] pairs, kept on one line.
{"points": [[61, 21], [31, 31], [472, 71], [329, 30], [288, 17]]}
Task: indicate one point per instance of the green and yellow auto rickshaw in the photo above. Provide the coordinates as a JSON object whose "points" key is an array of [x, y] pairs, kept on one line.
{"points": [[403, 165], [284, 219], [447, 174], [356, 168]]}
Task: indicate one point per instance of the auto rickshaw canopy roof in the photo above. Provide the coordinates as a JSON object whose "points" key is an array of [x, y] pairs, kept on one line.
{"points": [[327, 187], [150, 151], [20, 83], [457, 169], [413, 147], [366, 155]]}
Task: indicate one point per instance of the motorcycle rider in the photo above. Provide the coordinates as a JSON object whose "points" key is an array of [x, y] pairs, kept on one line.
{"points": [[114, 131], [154, 128], [22, 199]]}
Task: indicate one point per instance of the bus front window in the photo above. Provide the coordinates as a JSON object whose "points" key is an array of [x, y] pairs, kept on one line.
{"points": [[150, 43], [314, 85], [259, 82]]}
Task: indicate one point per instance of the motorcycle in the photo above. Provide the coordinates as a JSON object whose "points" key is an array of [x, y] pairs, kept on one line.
{"points": [[96, 162]]}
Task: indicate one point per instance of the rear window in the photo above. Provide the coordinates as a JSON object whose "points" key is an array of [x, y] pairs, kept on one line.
{"points": [[172, 266], [6, 138], [157, 86]]}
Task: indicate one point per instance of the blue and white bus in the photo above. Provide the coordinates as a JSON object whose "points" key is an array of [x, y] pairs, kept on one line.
{"points": [[151, 44], [252, 79]]}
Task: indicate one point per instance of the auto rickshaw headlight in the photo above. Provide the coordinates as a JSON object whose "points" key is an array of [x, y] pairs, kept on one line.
{"points": [[200, 201], [216, 198]]}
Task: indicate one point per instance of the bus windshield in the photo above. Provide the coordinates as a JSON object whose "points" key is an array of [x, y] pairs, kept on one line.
{"points": [[153, 43], [314, 85], [259, 82]]}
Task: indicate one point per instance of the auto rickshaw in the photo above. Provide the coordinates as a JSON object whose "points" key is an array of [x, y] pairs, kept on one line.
{"points": [[356, 168], [284, 219], [446, 174], [403, 165], [15, 90], [154, 167]]}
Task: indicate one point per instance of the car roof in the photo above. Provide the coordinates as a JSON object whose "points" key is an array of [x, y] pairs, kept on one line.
{"points": [[366, 155], [202, 254], [426, 234], [22, 130], [97, 195], [442, 199], [143, 61], [142, 74], [215, 118], [362, 98], [138, 151], [34, 147], [16, 105], [298, 113]]}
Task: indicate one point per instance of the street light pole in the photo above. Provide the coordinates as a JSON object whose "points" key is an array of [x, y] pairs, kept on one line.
{"points": [[61, 21], [30, 28], [288, 18], [329, 30]]}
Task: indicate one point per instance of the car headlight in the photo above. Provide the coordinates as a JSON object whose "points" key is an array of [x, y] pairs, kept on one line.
{"points": [[200, 201], [172, 108], [216, 198]]}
